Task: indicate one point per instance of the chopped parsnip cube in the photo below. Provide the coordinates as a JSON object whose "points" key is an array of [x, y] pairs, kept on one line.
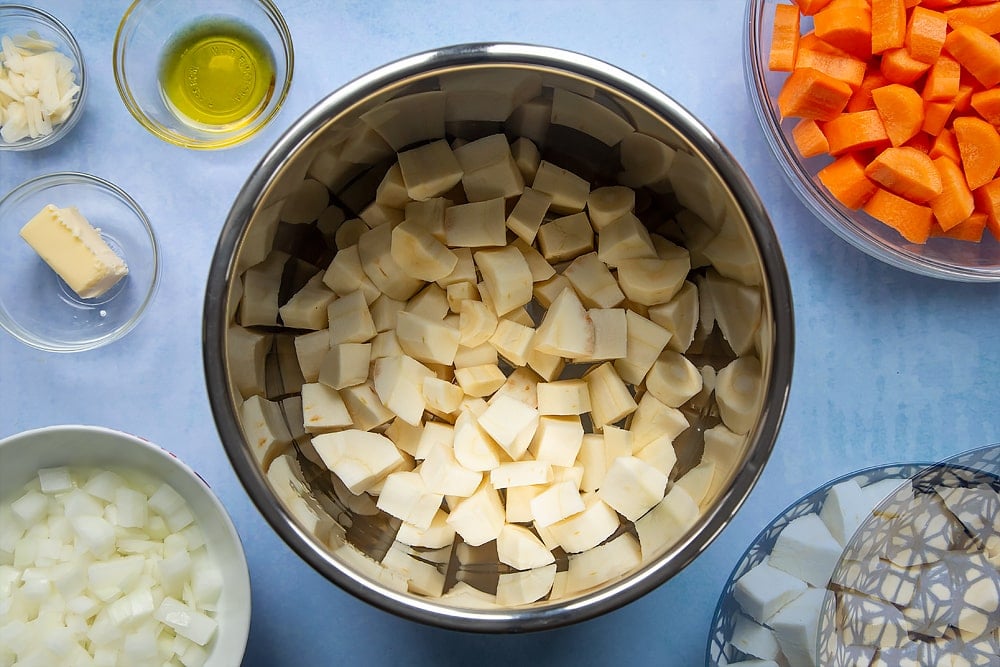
{"points": [[548, 366], [593, 281], [376, 214], [563, 397], [375, 253], [555, 503], [546, 291], [528, 213], [323, 409], [518, 506], [345, 365], [429, 170], [392, 190], [458, 293], [510, 423], [567, 190], [307, 307], [566, 330], [566, 238], [524, 587], [526, 157], [632, 486], [540, 269], [610, 334], [261, 282], [520, 473], [667, 522], [436, 536], [478, 518], [350, 320], [428, 214], [521, 549], [603, 563], [673, 379], [679, 316], [738, 392], [624, 238], [480, 380], [557, 439], [698, 480], [310, 350], [358, 458], [652, 419], [645, 342], [431, 303], [480, 355], [474, 448], [476, 322], [399, 383], [385, 344], [419, 254], [507, 277], [405, 496], [345, 275], [465, 269], [477, 224], [659, 453], [513, 341], [426, 340], [441, 396], [585, 530], [443, 473], [607, 204], [521, 385], [610, 399], [367, 411]]}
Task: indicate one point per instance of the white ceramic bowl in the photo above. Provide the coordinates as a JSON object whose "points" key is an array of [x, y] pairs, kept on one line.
{"points": [[23, 454]]}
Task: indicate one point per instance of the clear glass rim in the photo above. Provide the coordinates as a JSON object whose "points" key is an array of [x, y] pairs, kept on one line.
{"points": [[45, 181], [129, 23]]}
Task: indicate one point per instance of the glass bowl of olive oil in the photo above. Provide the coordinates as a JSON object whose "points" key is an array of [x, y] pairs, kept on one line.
{"points": [[203, 75]]}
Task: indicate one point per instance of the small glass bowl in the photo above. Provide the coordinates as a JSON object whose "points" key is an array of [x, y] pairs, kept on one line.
{"points": [[22, 20], [939, 257], [36, 306], [148, 26]]}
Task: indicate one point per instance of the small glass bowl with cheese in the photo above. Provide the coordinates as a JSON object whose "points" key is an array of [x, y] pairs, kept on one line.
{"points": [[158, 551], [37, 306], [203, 75], [39, 50]]}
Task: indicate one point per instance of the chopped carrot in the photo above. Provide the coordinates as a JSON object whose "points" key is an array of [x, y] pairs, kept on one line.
{"points": [[987, 104], [906, 172], [986, 17], [925, 34], [899, 66], [888, 25], [861, 100], [784, 38], [847, 24], [809, 138], [901, 111], [942, 80], [922, 142], [939, 4], [809, 93], [955, 202], [936, 116], [988, 201], [945, 144], [810, 7], [963, 100], [979, 145], [911, 220], [855, 131], [816, 54], [970, 229], [845, 179], [977, 52]]}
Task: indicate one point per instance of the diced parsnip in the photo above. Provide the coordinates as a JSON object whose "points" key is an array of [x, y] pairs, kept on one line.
{"points": [[590, 117], [310, 350], [659, 453], [546, 291], [474, 448], [246, 351], [698, 480], [610, 334], [624, 238], [725, 449], [422, 577], [476, 322], [431, 303], [345, 365], [540, 269], [385, 344], [607, 204], [738, 391], [610, 399], [465, 269], [376, 215], [478, 518], [652, 281], [573, 473], [507, 277], [419, 254], [513, 341], [441, 396], [566, 238], [652, 419], [307, 307], [430, 170], [583, 531], [737, 310], [618, 442], [555, 503], [375, 253], [487, 94], [348, 232], [593, 282], [548, 366], [399, 383], [667, 522], [264, 428], [458, 293], [426, 340], [603, 563], [405, 496], [518, 547], [476, 225], [673, 379], [391, 190], [489, 169], [732, 254], [358, 458], [518, 502], [567, 190], [428, 214], [645, 160], [345, 275], [480, 380], [645, 342], [350, 320], [679, 316], [305, 202], [526, 157], [480, 355], [365, 407], [510, 423], [531, 119], [407, 119], [404, 435], [521, 473], [323, 409], [631, 486], [436, 536], [528, 213], [384, 310], [525, 586], [521, 385], [431, 434], [443, 473], [563, 397], [566, 330], [696, 234], [261, 282], [592, 458], [557, 439]]}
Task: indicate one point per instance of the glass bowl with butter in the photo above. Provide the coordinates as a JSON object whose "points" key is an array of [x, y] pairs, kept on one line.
{"points": [[203, 75], [80, 262]]}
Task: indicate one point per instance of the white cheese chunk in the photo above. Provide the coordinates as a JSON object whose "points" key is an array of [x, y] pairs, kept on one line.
{"points": [[754, 639], [795, 627], [843, 510], [764, 589], [806, 549]]}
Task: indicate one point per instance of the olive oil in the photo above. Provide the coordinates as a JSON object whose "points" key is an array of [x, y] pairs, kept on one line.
{"points": [[217, 74]]}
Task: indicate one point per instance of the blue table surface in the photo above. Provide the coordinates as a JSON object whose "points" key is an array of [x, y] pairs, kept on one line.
{"points": [[889, 366]]}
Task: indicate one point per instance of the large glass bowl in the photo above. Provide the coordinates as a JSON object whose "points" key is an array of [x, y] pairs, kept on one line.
{"points": [[939, 257]]}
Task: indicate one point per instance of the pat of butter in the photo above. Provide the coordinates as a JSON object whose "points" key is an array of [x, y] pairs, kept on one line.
{"points": [[75, 250]]}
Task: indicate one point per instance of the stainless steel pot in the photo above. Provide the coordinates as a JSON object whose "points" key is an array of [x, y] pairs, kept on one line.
{"points": [[466, 92]]}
